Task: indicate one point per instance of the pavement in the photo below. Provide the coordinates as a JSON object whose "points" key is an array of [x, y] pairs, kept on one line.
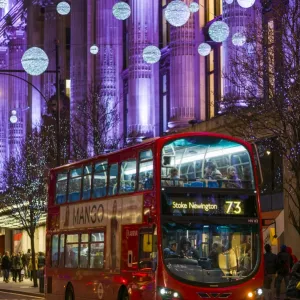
{"points": [[25, 288]]}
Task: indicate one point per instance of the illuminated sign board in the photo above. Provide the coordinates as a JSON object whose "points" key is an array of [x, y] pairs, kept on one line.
{"points": [[191, 205]]}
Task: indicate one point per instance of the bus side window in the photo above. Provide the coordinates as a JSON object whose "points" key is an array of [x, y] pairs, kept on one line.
{"points": [[61, 187], [100, 180], [72, 247], [54, 251], [146, 170], [62, 250], [113, 179], [87, 182], [84, 250], [75, 180], [97, 250], [128, 177]]}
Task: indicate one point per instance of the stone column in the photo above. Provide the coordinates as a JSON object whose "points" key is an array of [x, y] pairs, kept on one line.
{"points": [[4, 114], [182, 73], [78, 67], [238, 19], [109, 60], [143, 31], [18, 89]]}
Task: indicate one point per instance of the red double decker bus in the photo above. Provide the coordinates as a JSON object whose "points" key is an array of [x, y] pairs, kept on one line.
{"points": [[175, 217]]}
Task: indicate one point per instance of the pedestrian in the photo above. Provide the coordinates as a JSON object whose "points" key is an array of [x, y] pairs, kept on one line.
{"points": [[12, 269], [283, 265], [18, 266], [293, 289], [6, 264], [270, 272]]}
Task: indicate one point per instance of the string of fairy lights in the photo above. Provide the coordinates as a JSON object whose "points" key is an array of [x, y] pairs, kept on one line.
{"points": [[177, 13]]}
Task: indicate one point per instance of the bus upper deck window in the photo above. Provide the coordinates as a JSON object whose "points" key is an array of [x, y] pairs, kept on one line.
{"points": [[100, 180], [146, 170], [87, 182], [61, 187], [75, 179]]}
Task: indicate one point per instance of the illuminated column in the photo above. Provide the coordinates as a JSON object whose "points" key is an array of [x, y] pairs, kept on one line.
{"points": [[109, 60], [143, 31], [78, 67], [4, 150], [238, 19], [18, 89], [182, 73]]}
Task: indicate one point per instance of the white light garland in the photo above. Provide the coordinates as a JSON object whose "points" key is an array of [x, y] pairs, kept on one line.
{"points": [[3, 3], [94, 49], [218, 31], [151, 54], [121, 11], [238, 39], [35, 61], [246, 3], [194, 7], [204, 49], [177, 13], [63, 8]]}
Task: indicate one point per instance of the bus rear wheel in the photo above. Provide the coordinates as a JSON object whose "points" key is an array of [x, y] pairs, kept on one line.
{"points": [[69, 293]]}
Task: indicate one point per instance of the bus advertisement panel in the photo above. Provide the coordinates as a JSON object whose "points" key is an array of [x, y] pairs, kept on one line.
{"points": [[177, 217]]}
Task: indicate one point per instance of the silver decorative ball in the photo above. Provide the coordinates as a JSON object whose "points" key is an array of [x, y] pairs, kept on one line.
{"points": [[35, 61], [246, 3], [194, 7], [151, 54], [228, 1], [94, 49], [218, 31], [238, 39], [204, 49], [177, 13], [63, 8], [121, 11]]}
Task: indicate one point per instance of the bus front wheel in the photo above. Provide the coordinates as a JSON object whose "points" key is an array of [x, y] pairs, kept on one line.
{"points": [[69, 293]]}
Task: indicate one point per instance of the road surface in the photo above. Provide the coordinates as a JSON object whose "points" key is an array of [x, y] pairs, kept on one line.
{"points": [[11, 296]]}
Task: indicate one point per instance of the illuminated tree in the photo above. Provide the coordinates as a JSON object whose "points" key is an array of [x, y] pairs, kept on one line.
{"points": [[94, 125], [262, 91], [25, 179]]}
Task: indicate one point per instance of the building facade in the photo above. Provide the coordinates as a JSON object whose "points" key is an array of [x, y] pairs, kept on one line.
{"points": [[179, 91]]}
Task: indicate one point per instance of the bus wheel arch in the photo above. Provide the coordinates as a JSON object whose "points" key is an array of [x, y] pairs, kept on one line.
{"points": [[123, 293], [69, 294]]}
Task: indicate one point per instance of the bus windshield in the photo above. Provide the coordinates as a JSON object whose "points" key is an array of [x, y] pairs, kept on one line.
{"points": [[210, 254], [207, 162]]}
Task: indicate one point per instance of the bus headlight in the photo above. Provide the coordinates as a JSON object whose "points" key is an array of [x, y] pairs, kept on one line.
{"points": [[168, 294], [255, 294], [259, 292]]}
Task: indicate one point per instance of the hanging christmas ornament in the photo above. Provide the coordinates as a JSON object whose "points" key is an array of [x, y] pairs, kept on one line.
{"points": [[246, 3], [238, 39], [218, 31], [228, 1], [177, 13], [194, 7], [63, 8], [204, 49], [35, 61], [121, 11], [94, 49], [151, 54]]}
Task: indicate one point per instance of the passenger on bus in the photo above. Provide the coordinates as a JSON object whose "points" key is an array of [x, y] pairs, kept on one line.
{"points": [[214, 254], [174, 179], [233, 182], [211, 172], [186, 250], [170, 251]]}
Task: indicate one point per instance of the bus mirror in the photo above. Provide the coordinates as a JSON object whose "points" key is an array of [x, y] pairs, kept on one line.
{"points": [[147, 243]]}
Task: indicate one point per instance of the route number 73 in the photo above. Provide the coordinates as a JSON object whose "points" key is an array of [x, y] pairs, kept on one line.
{"points": [[234, 207]]}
